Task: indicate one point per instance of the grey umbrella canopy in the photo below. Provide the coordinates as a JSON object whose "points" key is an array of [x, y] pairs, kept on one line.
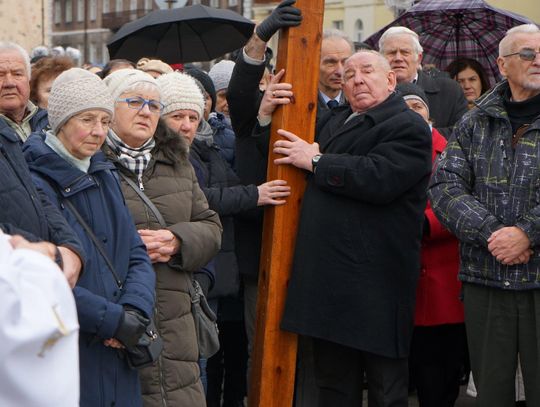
{"points": [[187, 34], [449, 29]]}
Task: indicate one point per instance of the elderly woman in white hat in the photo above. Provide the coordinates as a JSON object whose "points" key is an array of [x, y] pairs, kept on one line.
{"points": [[180, 232], [115, 293]]}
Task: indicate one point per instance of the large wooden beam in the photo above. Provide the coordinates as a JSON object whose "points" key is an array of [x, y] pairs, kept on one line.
{"points": [[274, 354]]}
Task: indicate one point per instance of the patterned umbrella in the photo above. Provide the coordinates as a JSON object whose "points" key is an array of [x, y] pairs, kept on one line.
{"points": [[457, 28]]}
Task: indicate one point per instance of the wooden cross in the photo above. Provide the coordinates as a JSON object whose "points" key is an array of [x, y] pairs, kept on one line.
{"points": [[274, 354]]}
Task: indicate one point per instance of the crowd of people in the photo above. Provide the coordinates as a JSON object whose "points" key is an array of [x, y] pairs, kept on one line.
{"points": [[416, 253]]}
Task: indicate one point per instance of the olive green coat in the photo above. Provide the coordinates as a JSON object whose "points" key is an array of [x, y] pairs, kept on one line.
{"points": [[174, 381]]}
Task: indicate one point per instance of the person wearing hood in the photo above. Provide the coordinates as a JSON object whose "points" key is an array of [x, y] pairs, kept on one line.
{"points": [[183, 114], [114, 306]]}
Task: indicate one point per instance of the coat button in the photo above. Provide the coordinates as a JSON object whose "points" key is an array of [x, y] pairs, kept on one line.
{"points": [[67, 189]]}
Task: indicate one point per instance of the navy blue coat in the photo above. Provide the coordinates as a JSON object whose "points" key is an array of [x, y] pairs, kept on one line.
{"points": [[25, 209], [223, 136], [105, 376]]}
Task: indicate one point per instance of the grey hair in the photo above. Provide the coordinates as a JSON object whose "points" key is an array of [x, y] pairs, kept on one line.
{"points": [[507, 43], [11, 46], [399, 30], [142, 87], [380, 57], [335, 33]]}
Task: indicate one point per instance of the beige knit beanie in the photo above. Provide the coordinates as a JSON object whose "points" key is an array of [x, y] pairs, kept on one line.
{"points": [[74, 91], [180, 92], [119, 81], [155, 65]]}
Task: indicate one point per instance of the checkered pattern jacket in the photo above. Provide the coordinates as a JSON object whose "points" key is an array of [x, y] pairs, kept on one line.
{"points": [[482, 184]]}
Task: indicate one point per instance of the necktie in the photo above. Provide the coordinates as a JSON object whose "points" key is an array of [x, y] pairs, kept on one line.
{"points": [[332, 103]]}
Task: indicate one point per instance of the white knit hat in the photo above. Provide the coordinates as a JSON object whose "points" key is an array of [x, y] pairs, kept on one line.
{"points": [[119, 81], [221, 74], [74, 91], [180, 92]]}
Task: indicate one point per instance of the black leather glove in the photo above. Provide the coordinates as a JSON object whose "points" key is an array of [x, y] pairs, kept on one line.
{"points": [[132, 325], [284, 15]]}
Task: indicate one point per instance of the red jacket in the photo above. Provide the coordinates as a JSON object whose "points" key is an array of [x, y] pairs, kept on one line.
{"points": [[438, 291]]}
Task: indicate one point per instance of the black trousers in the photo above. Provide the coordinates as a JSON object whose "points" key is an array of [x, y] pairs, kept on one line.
{"points": [[339, 375], [438, 354], [226, 370], [502, 325]]}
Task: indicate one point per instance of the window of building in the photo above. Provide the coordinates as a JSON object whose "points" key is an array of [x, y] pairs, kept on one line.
{"points": [[80, 10], [338, 24], [104, 53], [92, 57], [133, 5], [359, 30], [69, 11], [214, 3], [57, 12], [106, 6], [92, 9], [233, 3], [119, 6]]}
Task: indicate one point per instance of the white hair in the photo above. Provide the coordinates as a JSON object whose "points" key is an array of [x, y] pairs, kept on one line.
{"points": [[335, 33], [380, 57], [507, 43], [399, 30], [6, 46]]}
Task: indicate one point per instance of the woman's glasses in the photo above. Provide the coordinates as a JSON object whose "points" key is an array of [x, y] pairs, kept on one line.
{"points": [[138, 103]]}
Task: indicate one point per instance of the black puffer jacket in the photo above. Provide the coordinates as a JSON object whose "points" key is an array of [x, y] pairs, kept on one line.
{"points": [[227, 197]]}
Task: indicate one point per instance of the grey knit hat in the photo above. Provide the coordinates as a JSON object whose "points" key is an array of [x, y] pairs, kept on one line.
{"points": [[180, 92], [221, 74], [74, 91], [120, 81]]}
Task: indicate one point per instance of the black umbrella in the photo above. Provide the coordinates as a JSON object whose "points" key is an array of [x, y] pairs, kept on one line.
{"points": [[187, 34]]}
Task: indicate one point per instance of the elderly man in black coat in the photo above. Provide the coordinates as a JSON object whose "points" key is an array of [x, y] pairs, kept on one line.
{"points": [[447, 103], [356, 260]]}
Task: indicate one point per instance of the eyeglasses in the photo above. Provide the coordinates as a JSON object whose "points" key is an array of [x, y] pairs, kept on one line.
{"points": [[138, 103], [91, 122], [526, 54]]}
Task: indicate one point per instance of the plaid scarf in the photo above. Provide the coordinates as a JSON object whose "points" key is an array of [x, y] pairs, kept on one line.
{"points": [[134, 159]]}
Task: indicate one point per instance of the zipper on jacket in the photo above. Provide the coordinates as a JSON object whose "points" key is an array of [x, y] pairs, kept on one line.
{"points": [[139, 180], [502, 145]]}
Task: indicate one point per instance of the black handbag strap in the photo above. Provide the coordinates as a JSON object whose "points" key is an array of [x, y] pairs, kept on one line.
{"points": [[95, 240], [145, 199]]}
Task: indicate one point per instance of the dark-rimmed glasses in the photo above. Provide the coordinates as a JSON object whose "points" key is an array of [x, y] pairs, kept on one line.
{"points": [[138, 103], [526, 54]]}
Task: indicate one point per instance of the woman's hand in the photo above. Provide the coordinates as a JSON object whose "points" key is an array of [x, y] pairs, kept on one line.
{"points": [[161, 244], [270, 192]]}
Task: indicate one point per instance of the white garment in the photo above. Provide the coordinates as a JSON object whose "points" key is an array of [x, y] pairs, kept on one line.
{"points": [[38, 331]]}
